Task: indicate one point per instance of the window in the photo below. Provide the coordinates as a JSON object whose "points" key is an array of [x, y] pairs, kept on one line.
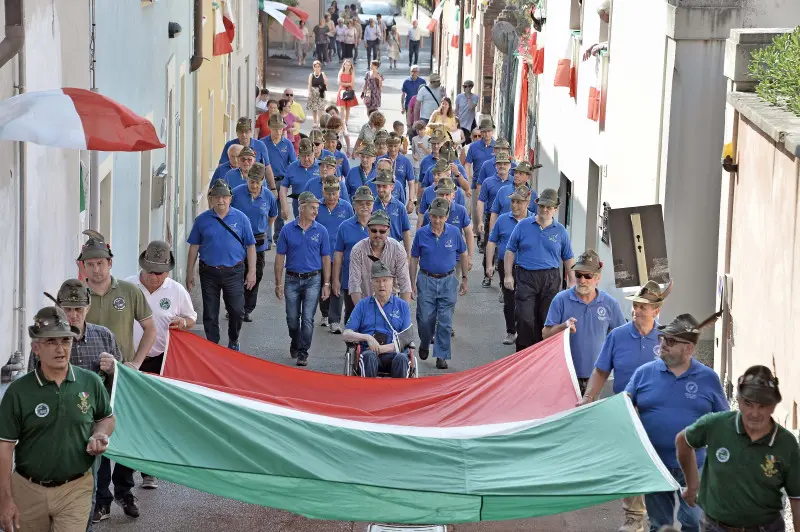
{"points": [[565, 201]]}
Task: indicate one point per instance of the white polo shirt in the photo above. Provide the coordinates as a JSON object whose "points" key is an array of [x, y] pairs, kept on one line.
{"points": [[169, 301]]}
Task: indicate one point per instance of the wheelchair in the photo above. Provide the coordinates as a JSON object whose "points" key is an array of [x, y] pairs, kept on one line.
{"points": [[352, 362]]}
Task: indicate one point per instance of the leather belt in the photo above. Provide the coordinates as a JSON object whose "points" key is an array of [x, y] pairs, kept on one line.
{"points": [[302, 275], [222, 267], [49, 483], [438, 275], [729, 528]]}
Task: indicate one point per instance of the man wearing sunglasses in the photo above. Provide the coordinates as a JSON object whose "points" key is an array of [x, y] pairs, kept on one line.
{"points": [[537, 249], [588, 313], [670, 394], [296, 109], [751, 459]]}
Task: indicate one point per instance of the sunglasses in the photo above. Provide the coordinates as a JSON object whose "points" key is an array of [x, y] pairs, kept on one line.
{"points": [[475, 137], [288, 94], [378, 231], [669, 342], [156, 273], [318, 143], [587, 276]]}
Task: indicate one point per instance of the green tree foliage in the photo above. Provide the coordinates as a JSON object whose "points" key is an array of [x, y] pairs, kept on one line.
{"points": [[776, 68]]}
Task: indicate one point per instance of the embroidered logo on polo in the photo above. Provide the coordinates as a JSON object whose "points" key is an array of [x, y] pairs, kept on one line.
{"points": [[768, 467], [41, 410], [691, 390], [315, 237], [657, 350], [395, 314], [448, 244], [165, 303], [119, 303], [602, 313], [553, 238], [341, 214], [723, 455], [233, 225], [83, 406]]}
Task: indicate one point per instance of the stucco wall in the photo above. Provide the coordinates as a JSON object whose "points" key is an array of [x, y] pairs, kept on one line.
{"points": [[764, 244]]}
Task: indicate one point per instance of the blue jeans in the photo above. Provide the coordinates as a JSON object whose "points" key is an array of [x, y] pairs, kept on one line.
{"points": [[301, 305], [396, 363], [661, 508], [229, 281], [436, 302]]}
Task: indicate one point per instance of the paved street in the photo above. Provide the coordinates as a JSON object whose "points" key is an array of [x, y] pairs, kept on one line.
{"points": [[479, 330]]}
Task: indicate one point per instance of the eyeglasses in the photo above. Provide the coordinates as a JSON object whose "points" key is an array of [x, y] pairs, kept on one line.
{"points": [[378, 231], [669, 341], [475, 137], [587, 276], [318, 144]]}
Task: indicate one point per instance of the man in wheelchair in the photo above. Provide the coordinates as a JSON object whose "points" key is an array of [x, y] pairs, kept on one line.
{"points": [[381, 324]]}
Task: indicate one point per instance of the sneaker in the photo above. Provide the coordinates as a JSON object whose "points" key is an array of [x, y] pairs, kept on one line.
{"points": [[336, 328], [487, 282], [510, 338], [632, 525], [129, 506], [247, 317], [101, 513], [423, 354], [302, 359], [324, 322], [441, 363], [149, 483], [235, 346]]}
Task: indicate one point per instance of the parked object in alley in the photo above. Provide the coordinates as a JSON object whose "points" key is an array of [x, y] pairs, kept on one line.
{"points": [[298, 476], [638, 245], [75, 118]]}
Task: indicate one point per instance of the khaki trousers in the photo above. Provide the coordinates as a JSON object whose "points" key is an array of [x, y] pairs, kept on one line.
{"points": [[60, 509], [634, 507]]}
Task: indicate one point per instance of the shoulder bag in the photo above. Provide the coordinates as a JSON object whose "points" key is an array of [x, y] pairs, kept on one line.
{"points": [[402, 339]]}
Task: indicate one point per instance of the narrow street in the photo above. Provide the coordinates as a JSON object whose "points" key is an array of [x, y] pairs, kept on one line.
{"points": [[479, 329]]}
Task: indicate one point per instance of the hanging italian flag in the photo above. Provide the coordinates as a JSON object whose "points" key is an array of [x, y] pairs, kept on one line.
{"points": [[224, 28], [277, 11], [496, 442], [435, 16]]}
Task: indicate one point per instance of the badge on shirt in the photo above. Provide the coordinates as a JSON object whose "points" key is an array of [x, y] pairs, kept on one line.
{"points": [[553, 238], [448, 244], [119, 303], [165, 303], [315, 237], [41, 410], [723, 455], [83, 406], [691, 390], [768, 467], [602, 313]]}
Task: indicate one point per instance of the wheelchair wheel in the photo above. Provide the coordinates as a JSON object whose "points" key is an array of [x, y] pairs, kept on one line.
{"points": [[348, 363]]}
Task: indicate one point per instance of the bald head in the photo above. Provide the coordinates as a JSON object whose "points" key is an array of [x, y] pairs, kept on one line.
{"points": [[233, 154]]}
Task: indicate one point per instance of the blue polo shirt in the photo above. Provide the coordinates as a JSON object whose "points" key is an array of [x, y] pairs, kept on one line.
{"points": [[314, 186], [403, 169], [217, 246], [624, 350], [489, 168], [350, 233], [458, 217], [429, 194], [426, 176], [343, 168], [304, 249], [438, 254], [411, 88], [539, 249], [489, 191], [502, 202], [398, 192], [357, 177], [220, 172], [501, 232], [399, 222], [668, 404], [366, 317], [233, 177], [477, 154], [331, 219], [258, 210], [594, 321], [259, 147], [297, 177], [281, 155]]}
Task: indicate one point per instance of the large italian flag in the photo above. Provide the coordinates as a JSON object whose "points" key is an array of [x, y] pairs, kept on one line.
{"points": [[496, 442]]}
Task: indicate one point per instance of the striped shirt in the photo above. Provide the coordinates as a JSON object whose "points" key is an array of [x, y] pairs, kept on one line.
{"points": [[393, 256]]}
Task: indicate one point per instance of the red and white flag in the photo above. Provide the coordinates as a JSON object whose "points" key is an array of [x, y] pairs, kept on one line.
{"points": [[276, 11], [77, 119], [224, 29], [435, 16]]}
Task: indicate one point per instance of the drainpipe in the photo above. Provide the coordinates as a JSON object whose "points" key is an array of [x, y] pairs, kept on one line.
{"points": [[197, 54], [459, 74], [15, 31], [12, 45], [94, 156]]}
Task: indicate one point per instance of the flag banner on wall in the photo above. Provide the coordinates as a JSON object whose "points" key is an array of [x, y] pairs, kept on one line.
{"points": [[75, 118], [224, 29], [496, 442], [435, 17], [276, 11]]}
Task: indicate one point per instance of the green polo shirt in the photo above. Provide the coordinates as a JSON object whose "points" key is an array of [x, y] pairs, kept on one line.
{"points": [[742, 479], [117, 309], [52, 424]]}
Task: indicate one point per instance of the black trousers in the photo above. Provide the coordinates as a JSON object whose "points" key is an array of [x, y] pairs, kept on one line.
{"points": [[508, 300], [321, 52], [229, 281], [122, 479], [153, 364], [484, 239], [251, 296], [348, 305], [413, 53], [534, 290]]}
